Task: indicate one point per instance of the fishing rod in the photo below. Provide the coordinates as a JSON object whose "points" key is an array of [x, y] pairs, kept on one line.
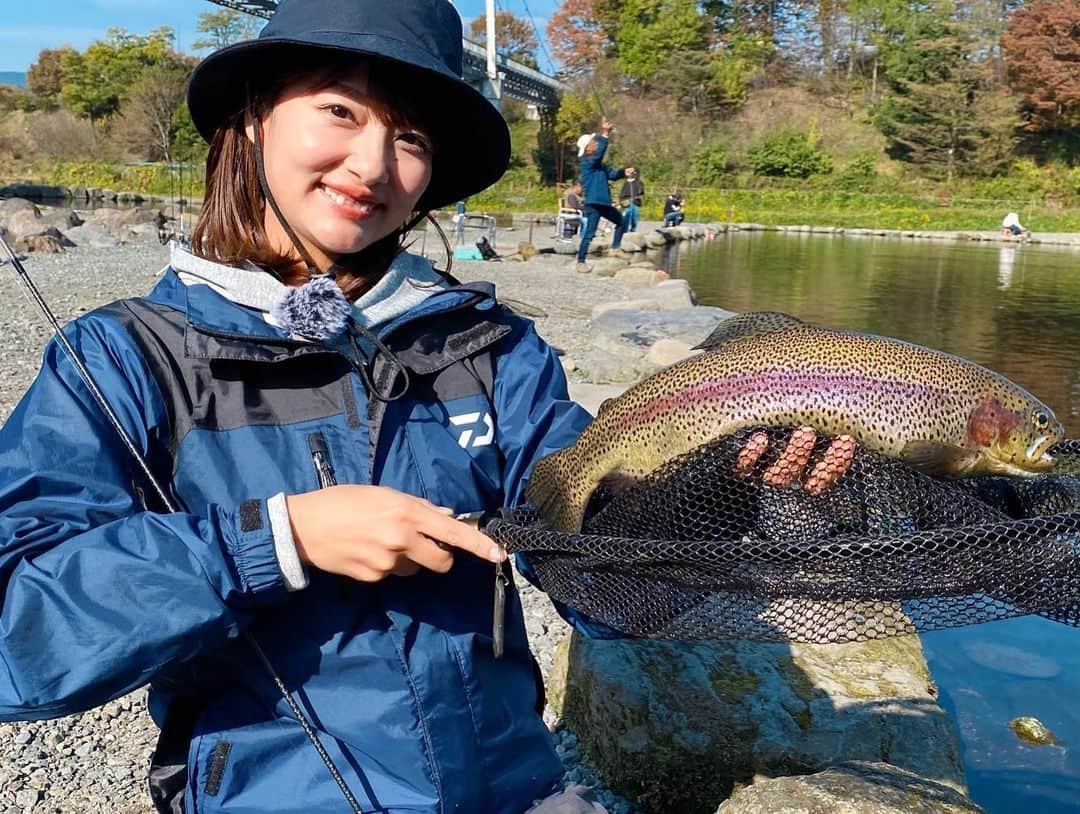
{"points": [[133, 450]]}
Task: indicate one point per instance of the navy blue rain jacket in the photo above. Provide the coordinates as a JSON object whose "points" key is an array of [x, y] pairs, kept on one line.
{"points": [[595, 177], [100, 595]]}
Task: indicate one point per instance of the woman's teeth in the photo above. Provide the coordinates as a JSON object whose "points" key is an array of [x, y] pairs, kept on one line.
{"points": [[345, 200]]}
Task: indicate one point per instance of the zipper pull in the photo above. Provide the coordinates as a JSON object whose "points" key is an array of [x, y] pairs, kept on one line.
{"points": [[320, 457], [498, 622]]}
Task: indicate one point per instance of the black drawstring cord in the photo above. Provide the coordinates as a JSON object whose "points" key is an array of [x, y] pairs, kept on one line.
{"points": [[365, 364]]}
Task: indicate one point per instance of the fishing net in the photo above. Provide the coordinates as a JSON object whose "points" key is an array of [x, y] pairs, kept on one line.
{"points": [[696, 552]]}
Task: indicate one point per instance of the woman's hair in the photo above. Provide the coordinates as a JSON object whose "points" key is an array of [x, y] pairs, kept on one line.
{"points": [[230, 227]]}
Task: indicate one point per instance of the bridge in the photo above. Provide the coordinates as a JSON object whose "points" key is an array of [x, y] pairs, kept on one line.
{"points": [[487, 71]]}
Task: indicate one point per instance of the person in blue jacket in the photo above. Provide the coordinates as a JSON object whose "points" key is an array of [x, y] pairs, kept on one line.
{"points": [[595, 177], [321, 405]]}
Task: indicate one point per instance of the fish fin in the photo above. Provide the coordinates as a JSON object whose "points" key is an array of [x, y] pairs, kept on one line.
{"points": [[555, 490], [935, 458], [618, 482], [749, 324]]}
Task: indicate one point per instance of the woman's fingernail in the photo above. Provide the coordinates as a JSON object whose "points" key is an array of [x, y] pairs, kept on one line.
{"points": [[496, 554]]}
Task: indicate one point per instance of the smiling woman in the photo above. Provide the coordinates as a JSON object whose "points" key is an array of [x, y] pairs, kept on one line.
{"points": [[318, 627]]}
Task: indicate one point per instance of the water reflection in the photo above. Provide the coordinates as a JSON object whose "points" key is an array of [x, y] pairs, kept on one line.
{"points": [[1014, 310], [1017, 311]]}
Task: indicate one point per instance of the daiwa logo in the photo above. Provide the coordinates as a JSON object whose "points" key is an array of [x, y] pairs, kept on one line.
{"points": [[470, 437]]}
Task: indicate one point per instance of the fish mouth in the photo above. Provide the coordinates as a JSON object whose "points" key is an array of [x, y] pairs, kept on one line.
{"points": [[1035, 460]]}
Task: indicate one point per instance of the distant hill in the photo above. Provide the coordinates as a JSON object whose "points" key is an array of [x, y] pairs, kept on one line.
{"points": [[13, 78]]}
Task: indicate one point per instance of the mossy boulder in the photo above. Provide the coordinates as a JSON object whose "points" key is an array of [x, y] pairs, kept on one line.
{"points": [[853, 788], [679, 726]]}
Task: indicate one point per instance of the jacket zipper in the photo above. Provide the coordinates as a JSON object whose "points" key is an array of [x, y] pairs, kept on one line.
{"points": [[320, 458]]}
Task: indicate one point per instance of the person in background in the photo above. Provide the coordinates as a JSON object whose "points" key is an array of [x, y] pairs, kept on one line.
{"points": [[673, 211], [572, 198], [595, 176], [1011, 227], [630, 197], [459, 223]]}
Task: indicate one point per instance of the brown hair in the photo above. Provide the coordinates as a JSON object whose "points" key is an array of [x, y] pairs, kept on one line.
{"points": [[230, 226]]}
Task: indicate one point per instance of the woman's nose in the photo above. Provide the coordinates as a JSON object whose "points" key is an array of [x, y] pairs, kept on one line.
{"points": [[371, 154]]}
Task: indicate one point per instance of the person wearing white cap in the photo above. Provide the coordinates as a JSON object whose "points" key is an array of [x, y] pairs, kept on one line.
{"points": [[595, 176]]}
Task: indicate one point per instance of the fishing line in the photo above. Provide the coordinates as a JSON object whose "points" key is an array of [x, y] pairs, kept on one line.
{"points": [[129, 444]]}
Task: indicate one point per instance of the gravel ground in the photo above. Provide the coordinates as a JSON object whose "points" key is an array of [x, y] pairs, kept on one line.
{"points": [[96, 762]]}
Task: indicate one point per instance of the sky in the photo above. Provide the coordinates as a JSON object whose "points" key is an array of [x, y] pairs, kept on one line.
{"points": [[27, 26]]}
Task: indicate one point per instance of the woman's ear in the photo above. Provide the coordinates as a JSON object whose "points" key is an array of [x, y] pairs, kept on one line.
{"points": [[249, 126]]}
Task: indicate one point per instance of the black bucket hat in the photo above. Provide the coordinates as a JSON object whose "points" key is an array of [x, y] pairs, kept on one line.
{"points": [[423, 36]]}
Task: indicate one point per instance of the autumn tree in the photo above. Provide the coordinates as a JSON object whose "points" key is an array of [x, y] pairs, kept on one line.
{"points": [[1041, 47], [223, 28], [578, 39], [46, 76], [147, 125], [514, 37]]}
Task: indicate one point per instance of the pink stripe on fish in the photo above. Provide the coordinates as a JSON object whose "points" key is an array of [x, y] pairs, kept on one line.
{"points": [[805, 383]]}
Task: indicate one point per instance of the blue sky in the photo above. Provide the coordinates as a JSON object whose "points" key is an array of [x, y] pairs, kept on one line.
{"points": [[27, 26]]}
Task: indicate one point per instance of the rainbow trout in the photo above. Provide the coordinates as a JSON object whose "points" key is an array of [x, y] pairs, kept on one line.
{"points": [[939, 413]]}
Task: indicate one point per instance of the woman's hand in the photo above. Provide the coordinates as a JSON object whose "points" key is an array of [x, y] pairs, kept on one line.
{"points": [[606, 126], [372, 532], [791, 465]]}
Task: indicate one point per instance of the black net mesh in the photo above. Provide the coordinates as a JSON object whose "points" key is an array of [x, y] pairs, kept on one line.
{"points": [[695, 552]]}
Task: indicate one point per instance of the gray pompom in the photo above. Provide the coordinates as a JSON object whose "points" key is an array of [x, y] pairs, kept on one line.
{"points": [[317, 309]]}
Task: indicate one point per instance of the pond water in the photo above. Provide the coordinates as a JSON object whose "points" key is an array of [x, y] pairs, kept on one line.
{"points": [[1016, 310]]}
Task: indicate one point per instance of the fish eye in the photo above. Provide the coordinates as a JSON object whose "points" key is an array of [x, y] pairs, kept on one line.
{"points": [[1041, 419]]}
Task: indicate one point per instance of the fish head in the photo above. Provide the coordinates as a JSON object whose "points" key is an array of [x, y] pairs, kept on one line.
{"points": [[1013, 437]]}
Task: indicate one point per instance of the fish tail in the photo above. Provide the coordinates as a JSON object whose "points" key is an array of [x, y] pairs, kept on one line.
{"points": [[559, 489]]}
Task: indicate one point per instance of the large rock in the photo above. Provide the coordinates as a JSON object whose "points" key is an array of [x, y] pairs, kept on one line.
{"points": [[678, 726], [90, 234], [635, 275], [25, 222], [49, 241], [853, 788], [666, 295], [62, 219], [637, 330]]}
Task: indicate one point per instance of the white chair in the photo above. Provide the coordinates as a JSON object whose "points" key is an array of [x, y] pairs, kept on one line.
{"points": [[567, 225]]}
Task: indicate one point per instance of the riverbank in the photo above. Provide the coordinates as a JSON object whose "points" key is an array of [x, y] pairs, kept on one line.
{"points": [[96, 761]]}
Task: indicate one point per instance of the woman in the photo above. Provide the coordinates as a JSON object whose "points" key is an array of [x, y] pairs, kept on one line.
{"points": [[595, 176], [297, 346]]}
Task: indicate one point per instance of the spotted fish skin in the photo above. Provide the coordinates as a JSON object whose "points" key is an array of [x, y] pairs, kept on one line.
{"points": [[940, 413]]}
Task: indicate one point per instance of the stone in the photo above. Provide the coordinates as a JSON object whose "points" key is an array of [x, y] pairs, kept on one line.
{"points": [[92, 235], [851, 788], [656, 239], [62, 219], [668, 351], [25, 222], [680, 725], [1033, 731], [608, 266], [639, 276], [44, 243], [634, 242]]}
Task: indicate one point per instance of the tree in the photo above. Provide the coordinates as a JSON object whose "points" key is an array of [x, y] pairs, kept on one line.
{"points": [[650, 31], [148, 116], [1042, 52], [224, 28], [578, 39], [99, 79], [45, 77], [943, 112], [514, 37]]}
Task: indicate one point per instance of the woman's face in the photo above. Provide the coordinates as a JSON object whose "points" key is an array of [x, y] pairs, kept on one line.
{"points": [[342, 177]]}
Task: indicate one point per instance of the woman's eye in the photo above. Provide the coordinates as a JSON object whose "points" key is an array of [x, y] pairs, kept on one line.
{"points": [[416, 140], [338, 111]]}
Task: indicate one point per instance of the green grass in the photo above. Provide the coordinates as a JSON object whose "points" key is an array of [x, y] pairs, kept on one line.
{"points": [[810, 204]]}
